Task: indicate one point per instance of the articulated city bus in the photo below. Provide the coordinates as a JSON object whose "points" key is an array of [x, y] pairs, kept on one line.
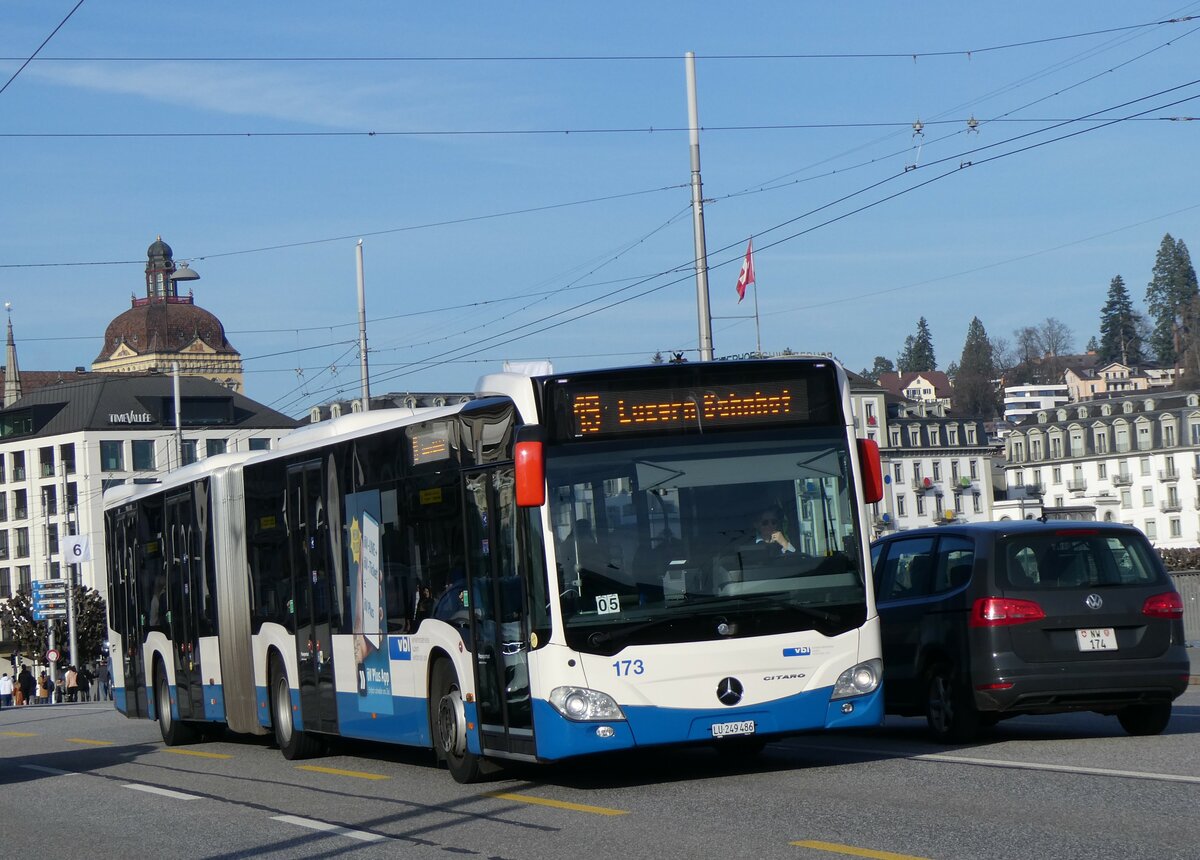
{"points": [[564, 565]]}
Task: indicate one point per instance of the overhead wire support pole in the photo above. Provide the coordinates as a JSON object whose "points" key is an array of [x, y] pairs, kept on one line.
{"points": [[362, 332], [703, 315]]}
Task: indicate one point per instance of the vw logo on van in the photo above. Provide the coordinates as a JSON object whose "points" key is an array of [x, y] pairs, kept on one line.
{"points": [[1094, 601], [729, 691]]}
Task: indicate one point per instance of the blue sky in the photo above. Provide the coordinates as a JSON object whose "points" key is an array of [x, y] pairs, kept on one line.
{"points": [[517, 200]]}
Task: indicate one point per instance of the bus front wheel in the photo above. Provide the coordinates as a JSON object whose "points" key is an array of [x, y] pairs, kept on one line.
{"points": [[448, 720], [293, 743]]}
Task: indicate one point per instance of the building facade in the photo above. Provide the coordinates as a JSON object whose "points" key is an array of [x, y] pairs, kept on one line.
{"points": [[1134, 460]]}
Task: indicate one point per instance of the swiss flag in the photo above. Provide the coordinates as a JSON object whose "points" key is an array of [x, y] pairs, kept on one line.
{"points": [[746, 277]]}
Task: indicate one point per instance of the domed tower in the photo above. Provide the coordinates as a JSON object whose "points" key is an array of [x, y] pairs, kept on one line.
{"points": [[165, 328]]}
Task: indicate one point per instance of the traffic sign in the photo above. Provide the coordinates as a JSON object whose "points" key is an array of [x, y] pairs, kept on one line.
{"points": [[46, 614], [52, 656], [49, 586]]}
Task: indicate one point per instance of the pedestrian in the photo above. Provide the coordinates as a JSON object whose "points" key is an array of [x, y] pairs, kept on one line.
{"points": [[6, 691], [72, 683], [83, 680], [106, 682], [27, 685], [43, 694], [50, 689]]}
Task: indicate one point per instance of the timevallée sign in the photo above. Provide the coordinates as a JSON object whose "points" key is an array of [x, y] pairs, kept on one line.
{"points": [[130, 418]]}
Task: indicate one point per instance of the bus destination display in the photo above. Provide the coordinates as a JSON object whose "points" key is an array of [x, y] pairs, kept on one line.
{"points": [[600, 413]]}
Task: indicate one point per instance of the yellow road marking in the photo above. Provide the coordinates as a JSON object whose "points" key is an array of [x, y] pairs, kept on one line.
{"points": [[198, 753], [19, 734], [557, 804], [854, 852], [90, 742], [336, 772]]}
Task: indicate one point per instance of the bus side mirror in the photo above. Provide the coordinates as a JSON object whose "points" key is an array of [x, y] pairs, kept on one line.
{"points": [[530, 467], [872, 470]]}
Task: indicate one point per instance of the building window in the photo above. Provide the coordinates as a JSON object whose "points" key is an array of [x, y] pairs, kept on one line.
{"points": [[974, 464], [22, 548], [1056, 475], [1143, 437], [1168, 433], [18, 466], [66, 455], [1144, 465], [1195, 434], [1102, 470], [914, 436], [112, 457], [954, 471], [1058, 501], [920, 506], [143, 455], [1148, 496], [52, 538], [937, 470], [3, 508], [901, 508], [976, 503], [5, 582], [20, 505], [934, 436], [4, 544], [970, 434], [189, 451], [1126, 499], [46, 461], [50, 501], [1056, 448], [1035, 448], [24, 580], [1151, 529], [258, 443], [894, 436], [72, 497], [1101, 442], [958, 505], [952, 434], [1176, 528], [213, 447]]}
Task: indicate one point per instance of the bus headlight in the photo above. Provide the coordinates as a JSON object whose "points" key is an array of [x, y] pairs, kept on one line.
{"points": [[858, 680], [581, 704]]}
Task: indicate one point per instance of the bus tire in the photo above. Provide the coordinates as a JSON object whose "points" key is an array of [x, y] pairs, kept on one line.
{"points": [[293, 743], [448, 724], [174, 732]]}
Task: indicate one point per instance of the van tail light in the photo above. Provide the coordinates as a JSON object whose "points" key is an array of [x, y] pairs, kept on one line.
{"points": [[1004, 611], [1168, 605]]}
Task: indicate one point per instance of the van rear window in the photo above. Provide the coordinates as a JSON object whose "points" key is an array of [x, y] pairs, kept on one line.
{"points": [[1075, 559]]}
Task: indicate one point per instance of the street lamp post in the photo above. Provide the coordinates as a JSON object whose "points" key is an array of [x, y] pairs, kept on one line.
{"points": [[184, 272]]}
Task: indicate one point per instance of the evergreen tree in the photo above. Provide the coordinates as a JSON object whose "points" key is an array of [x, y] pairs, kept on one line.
{"points": [[881, 366], [1168, 296], [975, 385], [1119, 337], [1093, 345], [918, 351]]}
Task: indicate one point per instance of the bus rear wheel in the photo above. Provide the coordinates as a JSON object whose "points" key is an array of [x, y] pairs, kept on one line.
{"points": [[174, 732], [293, 743], [448, 721]]}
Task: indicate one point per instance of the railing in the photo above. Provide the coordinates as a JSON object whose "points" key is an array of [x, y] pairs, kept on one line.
{"points": [[1077, 486], [1035, 489], [1122, 480], [1171, 507], [1168, 475]]}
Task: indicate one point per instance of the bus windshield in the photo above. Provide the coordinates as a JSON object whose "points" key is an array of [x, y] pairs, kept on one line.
{"points": [[713, 537]]}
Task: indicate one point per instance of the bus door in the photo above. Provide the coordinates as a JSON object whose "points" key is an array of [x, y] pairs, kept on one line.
{"points": [[184, 569], [124, 607], [308, 541], [498, 609]]}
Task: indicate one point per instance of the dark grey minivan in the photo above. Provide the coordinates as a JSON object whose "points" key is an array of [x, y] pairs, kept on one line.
{"points": [[983, 621]]}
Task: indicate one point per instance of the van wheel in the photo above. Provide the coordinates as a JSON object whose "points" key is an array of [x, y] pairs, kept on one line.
{"points": [[448, 724], [174, 732], [1145, 720], [293, 743], [949, 711]]}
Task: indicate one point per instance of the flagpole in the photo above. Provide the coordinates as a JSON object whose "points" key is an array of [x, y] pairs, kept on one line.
{"points": [[757, 336]]}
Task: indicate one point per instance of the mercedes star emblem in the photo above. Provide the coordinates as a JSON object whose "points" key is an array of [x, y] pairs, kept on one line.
{"points": [[729, 691]]}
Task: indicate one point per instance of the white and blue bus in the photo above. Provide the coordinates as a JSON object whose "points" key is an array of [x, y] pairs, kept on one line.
{"points": [[563, 565]]}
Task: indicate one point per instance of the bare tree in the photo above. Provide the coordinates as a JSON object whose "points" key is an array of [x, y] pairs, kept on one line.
{"points": [[1004, 356], [1055, 337]]}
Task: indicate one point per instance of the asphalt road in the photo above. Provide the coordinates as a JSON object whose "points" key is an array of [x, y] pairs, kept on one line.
{"points": [[83, 781]]}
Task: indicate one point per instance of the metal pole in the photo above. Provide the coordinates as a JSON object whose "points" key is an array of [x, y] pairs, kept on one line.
{"points": [[362, 333], [702, 309], [178, 419], [757, 336]]}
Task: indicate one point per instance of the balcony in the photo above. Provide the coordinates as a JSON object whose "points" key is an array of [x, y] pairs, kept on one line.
{"points": [[1168, 475], [1035, 489], [924, 485], [1171, 507], [1122, 480], [1078, 486]]}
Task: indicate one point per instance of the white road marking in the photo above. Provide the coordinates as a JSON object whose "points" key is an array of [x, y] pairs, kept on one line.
{"points": [[165, 792], [1015, 765], [51, 770], [326, 827]]}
